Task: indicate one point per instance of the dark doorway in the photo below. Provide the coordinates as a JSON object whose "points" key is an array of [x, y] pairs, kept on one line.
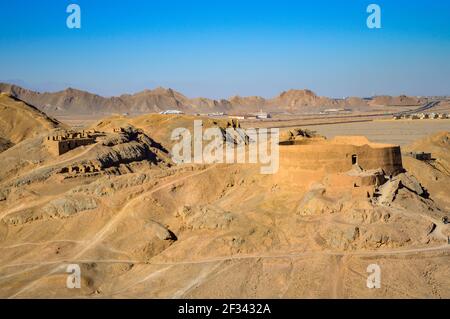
{"points": [[354, 159]]}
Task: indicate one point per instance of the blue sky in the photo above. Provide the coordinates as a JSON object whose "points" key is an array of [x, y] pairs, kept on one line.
{"points": [[219, 48]]}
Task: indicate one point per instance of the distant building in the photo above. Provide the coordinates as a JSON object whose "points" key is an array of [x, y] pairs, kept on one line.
{"points": [[171, 112], [333, 110], [251, 116], [216, 114], [262, 115], [258, 115], [237, 117]]}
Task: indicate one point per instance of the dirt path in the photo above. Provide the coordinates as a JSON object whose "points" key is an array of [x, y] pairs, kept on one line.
{"points": [[337, 285], [99, 236], [113, 222], [62, 263], [44, 243], [382, 253], [146, 278], [338, 277], [445, 247], [197, 281]]}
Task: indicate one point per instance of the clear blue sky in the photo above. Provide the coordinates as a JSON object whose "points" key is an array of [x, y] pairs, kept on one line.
{"points": [[219, 48]]}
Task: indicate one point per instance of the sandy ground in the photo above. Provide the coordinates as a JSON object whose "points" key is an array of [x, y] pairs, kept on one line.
{"points": [[400, 132], [237, 233]]}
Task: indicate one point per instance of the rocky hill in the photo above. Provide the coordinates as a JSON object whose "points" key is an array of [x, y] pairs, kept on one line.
{"points": [[72, 101], [434, 174], [401, 100], [19, 121]]}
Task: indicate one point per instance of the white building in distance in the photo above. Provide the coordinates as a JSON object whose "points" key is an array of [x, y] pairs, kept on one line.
{"points": [[171, 112]]}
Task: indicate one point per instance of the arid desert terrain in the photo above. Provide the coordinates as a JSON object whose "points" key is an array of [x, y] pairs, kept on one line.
{"points": [[103, 193]]}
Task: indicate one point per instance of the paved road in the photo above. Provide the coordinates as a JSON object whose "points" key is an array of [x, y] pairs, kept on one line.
{"points": [[351, 118], [427, 106]]}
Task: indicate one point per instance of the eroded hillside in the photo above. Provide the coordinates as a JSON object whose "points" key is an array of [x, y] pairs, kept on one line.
{"points": [[140, 226], [19, 121], [433, 174]]}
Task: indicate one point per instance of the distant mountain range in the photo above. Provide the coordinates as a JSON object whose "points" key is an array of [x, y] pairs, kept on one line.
{"points": [[73, 101]]}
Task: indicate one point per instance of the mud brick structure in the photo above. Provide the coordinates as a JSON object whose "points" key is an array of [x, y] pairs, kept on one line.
{"points": [[64, 142], [82, 169], [340, 154]]}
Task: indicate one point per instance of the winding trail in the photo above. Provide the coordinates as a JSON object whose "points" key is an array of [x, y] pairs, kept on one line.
{"points": [[336, 286], [441, 248], [146, 278], [43, 243], [113, 222], [445, 247], [197, 281]]}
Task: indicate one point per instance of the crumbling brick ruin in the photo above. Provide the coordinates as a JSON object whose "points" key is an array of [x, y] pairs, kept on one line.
{"points": [[82, 169], [66, 141], [119, 130]]}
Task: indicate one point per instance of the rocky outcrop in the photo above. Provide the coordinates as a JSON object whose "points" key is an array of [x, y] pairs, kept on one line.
{"points": [[315, 202], [388, 191], [109, 185], [205, 217], [68, 206], [401, 100], [162, 232], [5, 144], [63, 207]]}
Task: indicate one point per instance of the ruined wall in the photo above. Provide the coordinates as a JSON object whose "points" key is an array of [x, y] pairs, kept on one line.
{"points": [[335, 156], [59, 147], [67, 145]]}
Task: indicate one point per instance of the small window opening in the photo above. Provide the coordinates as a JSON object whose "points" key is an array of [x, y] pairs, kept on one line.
{"points": [[354, 159]]}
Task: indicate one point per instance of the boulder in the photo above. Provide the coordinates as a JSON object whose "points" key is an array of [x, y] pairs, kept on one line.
{"points": [[160, 231], [389, 190]]}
